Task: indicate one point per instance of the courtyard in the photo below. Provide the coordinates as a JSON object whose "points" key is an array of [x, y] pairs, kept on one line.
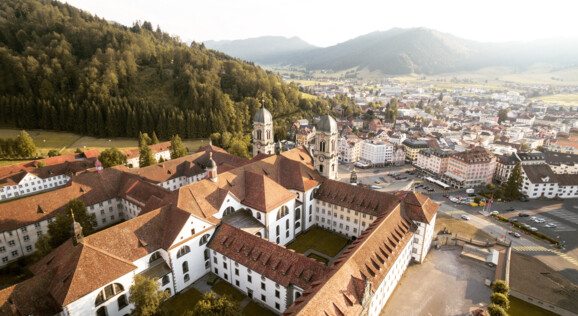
{"points": [[319, 244]]}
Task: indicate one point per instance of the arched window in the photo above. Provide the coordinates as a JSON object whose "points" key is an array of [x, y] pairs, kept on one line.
{"points": [[187, 277], [185, 267], [102, 311], [155, 257], [207, 254], [228, 210], [282, 212], [277, 230], [287, 224], [168, 291], [122, 302], [108, 292], [297, 215], [183, 251], [165, 280], [204, 239], [297, 225], [322, 145], [259, 132]]}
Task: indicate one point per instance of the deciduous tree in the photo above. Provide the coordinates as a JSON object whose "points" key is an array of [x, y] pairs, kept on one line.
{"points": [[211, 305], [146, 297], [59, 230], [25, 145], [112, 157]]}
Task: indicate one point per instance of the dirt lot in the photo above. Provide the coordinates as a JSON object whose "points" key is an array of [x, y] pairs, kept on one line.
{"points": [[460, 227]]}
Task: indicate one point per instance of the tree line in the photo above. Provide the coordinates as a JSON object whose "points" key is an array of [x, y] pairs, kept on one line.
{"points": [[21, 146], [64, 69]]}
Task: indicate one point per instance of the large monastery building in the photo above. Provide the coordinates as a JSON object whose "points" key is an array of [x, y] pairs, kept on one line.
{"points": [[214, 212]]}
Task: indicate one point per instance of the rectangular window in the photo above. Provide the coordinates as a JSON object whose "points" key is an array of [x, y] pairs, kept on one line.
{"points": [[28, 248], [11, 243], [237, 283], [15, 253], [263, 287], [249, 279], [26, 238], [236, 271], [263, 298], [277, 294]]}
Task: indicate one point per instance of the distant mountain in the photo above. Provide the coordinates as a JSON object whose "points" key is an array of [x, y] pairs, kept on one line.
{"points": [[417, 50], [263, 50]]}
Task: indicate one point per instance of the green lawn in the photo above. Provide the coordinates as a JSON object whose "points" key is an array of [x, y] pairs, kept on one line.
{"points": [[519, 307], [319, 239], [224, 288], [253, 309], [181, 302], [318, 258]]}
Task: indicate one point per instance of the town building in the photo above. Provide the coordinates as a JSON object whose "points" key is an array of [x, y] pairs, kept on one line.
{"points": [[434, 161], [470, 168], [398, 155], [413, 147], [539, 181], [377, 153], [505, 164], [562, 163], [349, 149], [304, 135]]}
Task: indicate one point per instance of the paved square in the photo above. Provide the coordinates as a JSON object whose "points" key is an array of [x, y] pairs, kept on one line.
{"points": [[444, 284]]}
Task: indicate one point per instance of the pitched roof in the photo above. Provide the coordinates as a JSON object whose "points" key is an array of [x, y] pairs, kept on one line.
{"points": [[265, 194], [266, 258], [539, 173], [15, 300], [357, 198], [90, 188], [418, 206], [367, 260], [107, 255], [155, 148]]}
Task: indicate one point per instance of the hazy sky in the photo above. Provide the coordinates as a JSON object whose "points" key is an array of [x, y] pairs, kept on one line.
{"points": [[325, 23]]}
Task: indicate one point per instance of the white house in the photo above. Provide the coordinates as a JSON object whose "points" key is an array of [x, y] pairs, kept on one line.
{"points": [[377, 153]]}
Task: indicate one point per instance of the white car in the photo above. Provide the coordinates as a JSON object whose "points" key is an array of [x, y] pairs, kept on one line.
{"points": [[540, 220], [550, 225], [465, 217], [533, 218], [494, 213], [534, 229]]}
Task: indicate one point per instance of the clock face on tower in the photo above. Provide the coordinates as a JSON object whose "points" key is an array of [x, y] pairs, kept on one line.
{"points": [[321, 158], [259, 146]]}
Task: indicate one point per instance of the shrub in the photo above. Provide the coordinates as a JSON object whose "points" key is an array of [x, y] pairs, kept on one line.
{"points": [[500, 300], [496, 310], [501, 287]]}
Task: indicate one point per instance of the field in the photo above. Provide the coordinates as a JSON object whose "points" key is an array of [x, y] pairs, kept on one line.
{"points": [[562, 99], [460, 227], [66, 143]]}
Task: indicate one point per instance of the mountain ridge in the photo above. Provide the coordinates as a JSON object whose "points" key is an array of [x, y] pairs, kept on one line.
{"points": [[401, 51]]}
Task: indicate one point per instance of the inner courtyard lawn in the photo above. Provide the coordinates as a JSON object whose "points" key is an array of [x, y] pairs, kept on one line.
{"points": [[319, 239]]}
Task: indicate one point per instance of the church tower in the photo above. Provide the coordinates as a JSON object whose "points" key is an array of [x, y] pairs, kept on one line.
{"points": [[263, 132], [325, 151], [212, 168], [353, 177]]}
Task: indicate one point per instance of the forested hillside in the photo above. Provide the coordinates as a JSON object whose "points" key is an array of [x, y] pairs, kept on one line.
{"points": [[64, 69]]}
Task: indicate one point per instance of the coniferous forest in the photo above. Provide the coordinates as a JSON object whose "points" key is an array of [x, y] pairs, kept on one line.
{"points": [[64, 69]]}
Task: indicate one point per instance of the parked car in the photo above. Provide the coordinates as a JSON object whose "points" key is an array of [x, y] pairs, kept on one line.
{"points": [[534, 229], [550, 225], [513, 220], [515, 234], [524, 199], [523, 215], [430, 189], [465, 217], [473, 204], [494, 213], [446, 195]]}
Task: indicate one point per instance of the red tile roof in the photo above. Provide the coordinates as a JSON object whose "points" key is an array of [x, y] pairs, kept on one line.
{"points": [[155, 148], [357, 198], [418, 206], [107, 255], [16, 300], [268, 259], [265, 194], [368, 259]]}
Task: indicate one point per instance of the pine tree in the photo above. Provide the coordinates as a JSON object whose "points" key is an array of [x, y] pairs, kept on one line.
{"points": [[155, 139], [514, 183], [178, 149], [146, 156]]}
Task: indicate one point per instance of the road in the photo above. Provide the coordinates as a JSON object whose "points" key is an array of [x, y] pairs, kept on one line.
{"points": [[562, 213]]}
